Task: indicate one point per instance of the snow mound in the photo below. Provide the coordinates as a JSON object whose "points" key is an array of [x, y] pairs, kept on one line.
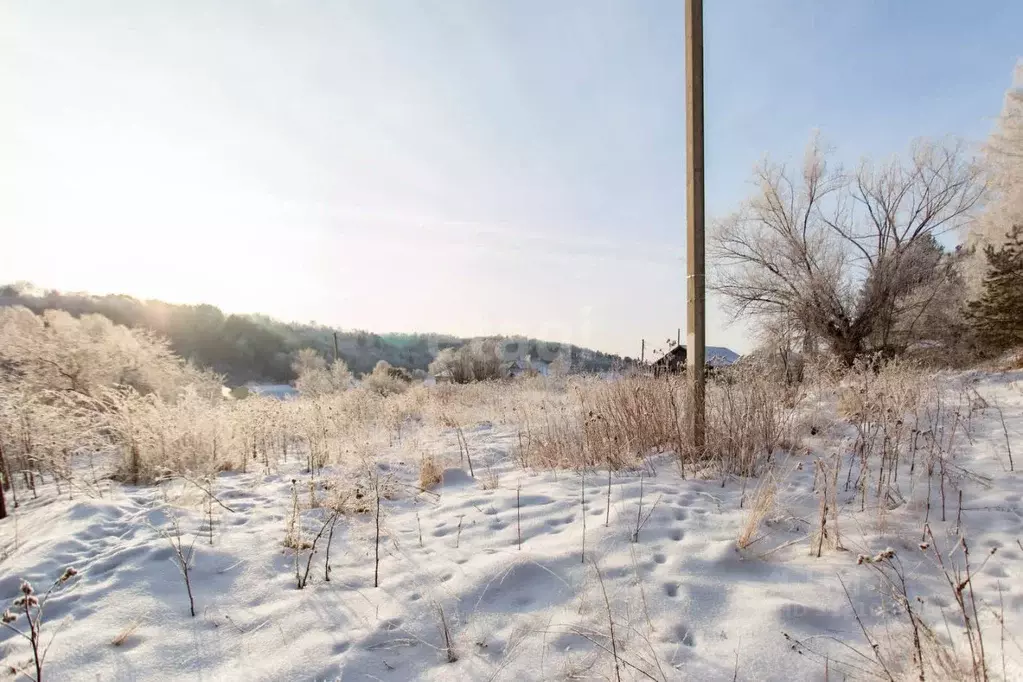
{"points": [[456, 478]]}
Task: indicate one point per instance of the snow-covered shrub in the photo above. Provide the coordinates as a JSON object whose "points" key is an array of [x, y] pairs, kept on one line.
{"points": [[85, 385], [479, 360], [316, 377], [387, 380]]}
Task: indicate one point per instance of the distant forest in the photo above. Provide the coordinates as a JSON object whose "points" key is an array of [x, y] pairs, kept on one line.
{"points": [[258, 348]]}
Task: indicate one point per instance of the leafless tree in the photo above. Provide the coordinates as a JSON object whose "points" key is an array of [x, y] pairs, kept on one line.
{"points": [[851, 258]]}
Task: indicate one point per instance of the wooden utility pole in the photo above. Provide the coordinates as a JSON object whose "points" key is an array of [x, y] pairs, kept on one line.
{"points": [[337, 355], [695, 290], [642, 351]]}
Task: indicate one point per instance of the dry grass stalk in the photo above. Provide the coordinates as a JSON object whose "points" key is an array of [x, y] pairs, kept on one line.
{"points": [[124, 634], [491, 479], [758, 509], [293, 538], [430, 473], [826, 481]]}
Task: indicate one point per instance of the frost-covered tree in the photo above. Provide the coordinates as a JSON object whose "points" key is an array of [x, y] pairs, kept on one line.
{"points": [[1003, 156], [316, 378], [57, 352], [1003, 167], [70, 385], [452, 365], [340, 376], [6, 438], [308, 360], [846, 256], [479, 360]]}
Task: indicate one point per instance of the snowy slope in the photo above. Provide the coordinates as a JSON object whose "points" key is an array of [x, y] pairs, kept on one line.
{"points": [[685, 603], [719, 355]]}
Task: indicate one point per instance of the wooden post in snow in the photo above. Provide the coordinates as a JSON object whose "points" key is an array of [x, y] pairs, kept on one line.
{"points": [[695, 268]]}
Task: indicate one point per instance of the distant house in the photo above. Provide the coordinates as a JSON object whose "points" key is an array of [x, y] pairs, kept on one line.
{"points": [[674, 361]]}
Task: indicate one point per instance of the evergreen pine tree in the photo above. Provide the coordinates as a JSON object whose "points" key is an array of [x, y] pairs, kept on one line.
{"points": [[998, 315]]}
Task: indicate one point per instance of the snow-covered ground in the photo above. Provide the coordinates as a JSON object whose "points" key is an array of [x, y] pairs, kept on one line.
{"points": [[683, 601]]}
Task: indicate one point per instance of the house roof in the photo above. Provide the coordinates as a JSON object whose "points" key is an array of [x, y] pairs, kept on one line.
{"points": [[676, 353]]}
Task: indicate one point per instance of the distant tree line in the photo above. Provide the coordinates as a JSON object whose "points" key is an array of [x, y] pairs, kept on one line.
{"points": [[259, 348]]}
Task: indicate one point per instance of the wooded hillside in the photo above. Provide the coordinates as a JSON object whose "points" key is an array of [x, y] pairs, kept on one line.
{"points": [[260, 348]]}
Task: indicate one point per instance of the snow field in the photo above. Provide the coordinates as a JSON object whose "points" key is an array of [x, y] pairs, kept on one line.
{"points": [[684, 602]]}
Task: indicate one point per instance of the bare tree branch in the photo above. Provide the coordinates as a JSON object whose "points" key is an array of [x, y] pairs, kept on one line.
{"points": [[797, 250]]}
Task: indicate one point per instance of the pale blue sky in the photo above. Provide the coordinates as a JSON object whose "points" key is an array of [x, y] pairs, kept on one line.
{"points": [[463, 166]]}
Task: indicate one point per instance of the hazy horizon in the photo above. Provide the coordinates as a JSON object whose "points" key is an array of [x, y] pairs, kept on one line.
{"points": [[450, 167], [651, 344]]}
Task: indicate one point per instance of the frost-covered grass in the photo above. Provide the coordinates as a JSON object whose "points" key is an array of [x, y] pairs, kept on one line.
{"points": [[768, 560]]}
